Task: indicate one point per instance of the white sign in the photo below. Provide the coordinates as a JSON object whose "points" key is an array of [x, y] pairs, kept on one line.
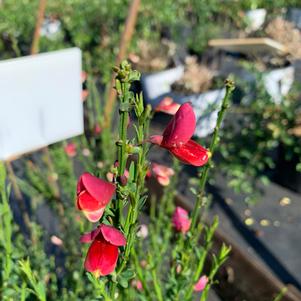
{"points": [[40, 101]]}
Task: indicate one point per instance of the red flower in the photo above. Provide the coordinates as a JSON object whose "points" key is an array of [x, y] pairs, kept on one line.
{"points": [[180, 220], [201, 284], [102, 255], [176, 138], [168, 106], [97, 129], [162, 173], [70, 149], [93, 194]]}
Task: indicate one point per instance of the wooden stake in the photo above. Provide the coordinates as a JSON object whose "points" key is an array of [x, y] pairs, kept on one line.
{"points": [[40, 18], [124, 42], [35, 50]]}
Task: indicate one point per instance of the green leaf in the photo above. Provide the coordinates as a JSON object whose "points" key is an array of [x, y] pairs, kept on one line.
{"points": [[2, 176], [123, 282], [128, 274], [193, 191], [131, 172]]}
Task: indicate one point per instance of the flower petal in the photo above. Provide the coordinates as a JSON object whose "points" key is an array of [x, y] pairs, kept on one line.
{"points": [[156, 139], [99, 189], [181, 128], [94, 216], [70, 149], [86, 202], [168, 106], [180, 220], [112, 235], [101, 258], [162, 170], [201, 284], [191, 153], [80, 186], [90, 236], [163, 180]]}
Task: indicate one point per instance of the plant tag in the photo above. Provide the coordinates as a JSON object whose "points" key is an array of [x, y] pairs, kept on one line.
{"points": [[40, 101]]}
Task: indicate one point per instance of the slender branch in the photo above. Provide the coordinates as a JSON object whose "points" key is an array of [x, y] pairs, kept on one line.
{"points": [[140, 273], [225, 104], [124, 42], [40, 17]]}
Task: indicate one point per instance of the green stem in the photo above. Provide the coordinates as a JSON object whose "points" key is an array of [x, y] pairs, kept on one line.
{"points": [[121, 145], [132, 216], [123, 123], [281, 294], [140, 273], [225, 104], [100, 286], [200, 265], [133, 211], [157, 286]]}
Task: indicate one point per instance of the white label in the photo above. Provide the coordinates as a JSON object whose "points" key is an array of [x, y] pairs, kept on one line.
{"points": [[40, 101]]}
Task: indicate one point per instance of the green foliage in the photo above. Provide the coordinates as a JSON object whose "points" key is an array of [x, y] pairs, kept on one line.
{"points": [[5, 227], [160, 278], [38, 287], [17, 27], [13, 249], [96, 29], [96, 26], [174, 273], [252, 135]]}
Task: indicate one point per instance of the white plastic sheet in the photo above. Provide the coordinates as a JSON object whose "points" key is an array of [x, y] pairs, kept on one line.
{"points": [[40, 101]]}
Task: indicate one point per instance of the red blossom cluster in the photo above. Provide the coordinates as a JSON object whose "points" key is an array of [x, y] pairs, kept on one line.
{"points": [[94, 194]]}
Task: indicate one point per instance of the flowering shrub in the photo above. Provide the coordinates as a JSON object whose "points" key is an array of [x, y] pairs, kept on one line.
{"points": [[122, 251], [141, 248]]}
